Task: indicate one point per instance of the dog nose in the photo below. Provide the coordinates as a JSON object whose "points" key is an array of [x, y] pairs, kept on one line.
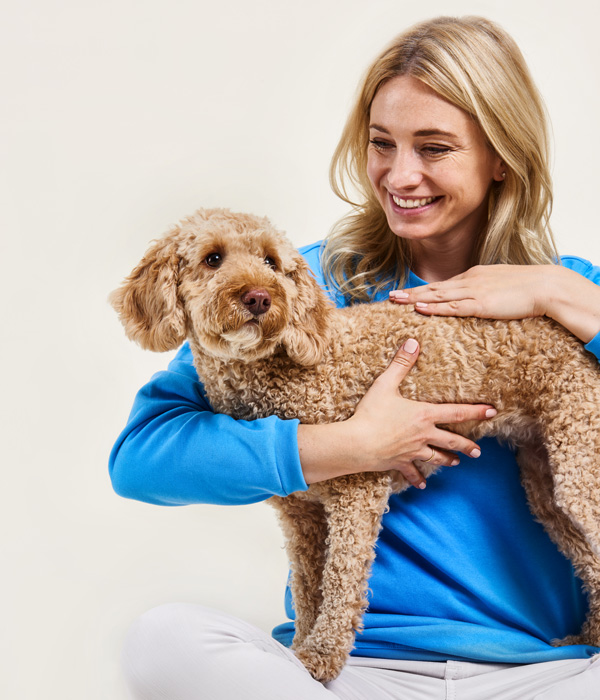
{"points": [[257, 301]]}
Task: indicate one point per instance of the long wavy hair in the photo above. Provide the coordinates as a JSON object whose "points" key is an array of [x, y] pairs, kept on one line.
{"points": [[477, 66]]}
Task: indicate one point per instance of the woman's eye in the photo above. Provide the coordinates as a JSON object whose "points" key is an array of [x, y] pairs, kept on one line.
{"points": [[380, 144], [214, 260], [271, 263], [435, 150]]}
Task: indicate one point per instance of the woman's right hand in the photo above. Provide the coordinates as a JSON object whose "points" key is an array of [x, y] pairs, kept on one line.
{"points": [[389, 432]]}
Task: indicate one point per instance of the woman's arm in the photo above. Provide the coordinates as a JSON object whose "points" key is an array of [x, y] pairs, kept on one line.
{"points": [[569, 296], [574, 301], [175, 451]]}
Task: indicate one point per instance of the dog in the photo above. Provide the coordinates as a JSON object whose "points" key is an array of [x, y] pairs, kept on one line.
{"points": [[266, 341]]}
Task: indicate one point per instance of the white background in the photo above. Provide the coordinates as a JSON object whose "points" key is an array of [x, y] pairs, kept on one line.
{"points": [[119, 118]]}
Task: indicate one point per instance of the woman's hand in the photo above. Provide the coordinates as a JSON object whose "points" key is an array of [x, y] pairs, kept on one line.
{"points": [[388, 431], [485, 291], [513, 292]]}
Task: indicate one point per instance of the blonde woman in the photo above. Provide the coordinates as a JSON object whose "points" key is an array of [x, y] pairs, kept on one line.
{"points": [[445, 162]]}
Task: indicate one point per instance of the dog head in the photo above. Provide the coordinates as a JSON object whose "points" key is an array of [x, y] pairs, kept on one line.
{"points": [[231, 283]]}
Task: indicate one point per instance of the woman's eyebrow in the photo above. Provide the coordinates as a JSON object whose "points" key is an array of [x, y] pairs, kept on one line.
{"points": [[379, 128], [421, 132], [435, 132]]}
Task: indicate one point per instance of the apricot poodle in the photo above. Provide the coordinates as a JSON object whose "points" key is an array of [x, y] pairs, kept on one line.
{"points": [[266, 341]]}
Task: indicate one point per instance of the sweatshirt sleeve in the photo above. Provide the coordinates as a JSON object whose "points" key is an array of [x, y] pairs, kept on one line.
{"points": [[175, 451], [591, 272]]}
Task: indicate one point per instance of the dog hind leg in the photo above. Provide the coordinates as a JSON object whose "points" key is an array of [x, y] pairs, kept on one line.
{"points": [[570, 540], [573, 445]]}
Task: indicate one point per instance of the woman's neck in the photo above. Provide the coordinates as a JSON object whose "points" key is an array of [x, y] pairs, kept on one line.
{"points": [[435, 261]]}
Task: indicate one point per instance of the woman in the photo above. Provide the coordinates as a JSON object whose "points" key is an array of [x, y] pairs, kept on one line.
{"points": [[447, 149]]}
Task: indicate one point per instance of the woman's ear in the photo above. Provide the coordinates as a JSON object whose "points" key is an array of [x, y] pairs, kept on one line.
{"points": [[499, 170], [148, 303], [307, 334]]}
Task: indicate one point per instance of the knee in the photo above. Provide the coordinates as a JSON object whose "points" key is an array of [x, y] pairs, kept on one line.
{"points": [[168, 623], [157, 644]]}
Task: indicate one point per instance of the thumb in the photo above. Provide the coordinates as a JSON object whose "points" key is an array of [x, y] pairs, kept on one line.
{"points": [[403, 361]]}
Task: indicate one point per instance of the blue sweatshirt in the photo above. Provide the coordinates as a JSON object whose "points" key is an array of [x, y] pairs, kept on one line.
{"points": [[462, 570]]}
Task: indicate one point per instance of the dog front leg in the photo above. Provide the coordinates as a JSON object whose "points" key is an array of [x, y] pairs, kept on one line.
{"points": [[353, 507], [305, 531]]}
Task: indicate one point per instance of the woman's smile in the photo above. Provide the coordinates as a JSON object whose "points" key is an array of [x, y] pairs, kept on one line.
{"points": [[412, 205]]}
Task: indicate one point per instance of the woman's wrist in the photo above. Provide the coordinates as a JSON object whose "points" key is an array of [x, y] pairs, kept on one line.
{"points": [[573, 301], [327, 451]]}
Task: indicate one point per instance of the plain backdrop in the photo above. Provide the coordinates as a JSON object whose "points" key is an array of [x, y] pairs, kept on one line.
{"points": [[119, 118]]}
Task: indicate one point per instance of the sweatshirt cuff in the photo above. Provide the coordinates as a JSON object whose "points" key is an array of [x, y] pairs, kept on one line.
{"points": [[594, 346], [288, 457]]}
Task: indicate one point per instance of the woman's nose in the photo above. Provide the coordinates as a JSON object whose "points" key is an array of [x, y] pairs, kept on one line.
{"points": [[405, 171]]}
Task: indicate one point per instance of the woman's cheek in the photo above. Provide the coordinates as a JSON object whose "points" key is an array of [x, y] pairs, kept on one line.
{"points": [[374, 174]]}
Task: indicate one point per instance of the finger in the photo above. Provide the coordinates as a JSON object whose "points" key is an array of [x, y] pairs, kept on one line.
{"points": [[452, 443], [437, 457], [413, 471], [454, 288], [402, 362], [412, 474], [461, 307], [460, 412]]}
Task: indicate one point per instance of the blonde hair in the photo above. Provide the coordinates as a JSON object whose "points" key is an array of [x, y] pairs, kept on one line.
{"points": [[477, 66]]}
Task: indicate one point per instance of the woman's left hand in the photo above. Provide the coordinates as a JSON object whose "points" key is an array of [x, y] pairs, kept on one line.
{"points": [[485, 291], [513, 292]]}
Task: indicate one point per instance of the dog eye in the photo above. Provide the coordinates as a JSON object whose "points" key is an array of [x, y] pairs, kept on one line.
{"points": [[214, 260], [271, 263]]}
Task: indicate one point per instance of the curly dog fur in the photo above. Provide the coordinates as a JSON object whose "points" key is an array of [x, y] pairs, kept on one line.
{"points": [[266, 341]]}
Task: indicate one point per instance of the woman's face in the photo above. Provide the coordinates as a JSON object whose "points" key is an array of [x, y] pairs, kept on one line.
{"points": [[429, 165]]}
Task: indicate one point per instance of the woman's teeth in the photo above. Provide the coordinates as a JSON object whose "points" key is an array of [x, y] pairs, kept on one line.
{"points": [[412, 203]]}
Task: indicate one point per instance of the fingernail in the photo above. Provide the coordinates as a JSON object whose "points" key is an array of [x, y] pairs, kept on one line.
{"points": [[454, 462], [421, 304], [399, 294], [411, 346], [422, 485], [476, 452], [491, 412]]}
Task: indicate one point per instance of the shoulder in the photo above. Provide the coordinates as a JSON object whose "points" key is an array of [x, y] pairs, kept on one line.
{"points": [[181, 372], [183, 362], [312, 253]]}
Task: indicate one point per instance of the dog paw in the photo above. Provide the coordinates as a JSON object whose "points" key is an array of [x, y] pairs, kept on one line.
{"points": [[589, 636], [572, 639], [322, 666]]}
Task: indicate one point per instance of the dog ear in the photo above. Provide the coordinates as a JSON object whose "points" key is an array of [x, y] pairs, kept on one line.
{"points": [[307, 334], [148, 303]]}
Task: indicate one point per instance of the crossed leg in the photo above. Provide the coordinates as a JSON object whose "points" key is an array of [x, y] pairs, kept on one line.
{"points": [[183, 651]]}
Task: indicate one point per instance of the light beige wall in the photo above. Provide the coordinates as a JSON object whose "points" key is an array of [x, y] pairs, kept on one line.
{"points": [[118, 118]]}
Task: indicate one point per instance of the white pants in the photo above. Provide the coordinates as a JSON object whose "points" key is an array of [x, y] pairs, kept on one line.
{"points": [[187, 652]]}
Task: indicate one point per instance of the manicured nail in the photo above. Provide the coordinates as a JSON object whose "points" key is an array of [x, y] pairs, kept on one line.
{"points": [[476, 452], [411, 346], [421, 304], [399, 294], [422, 485], [454, 462], [491, 412]]}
